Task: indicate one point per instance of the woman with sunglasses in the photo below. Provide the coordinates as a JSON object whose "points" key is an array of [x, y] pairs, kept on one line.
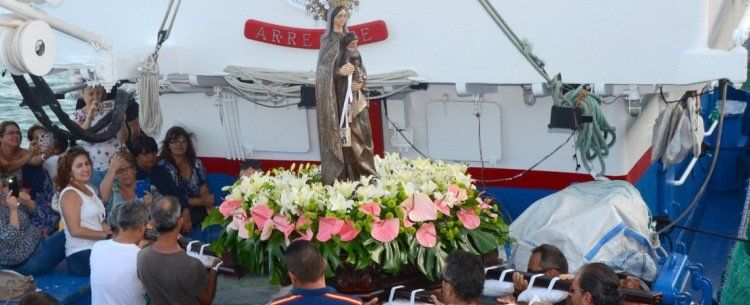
{"points": [[119, 184], [181, 174], [82, 211]]}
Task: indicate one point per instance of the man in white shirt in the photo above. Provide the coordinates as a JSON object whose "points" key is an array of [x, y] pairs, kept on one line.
{"points": [[114, 276]]}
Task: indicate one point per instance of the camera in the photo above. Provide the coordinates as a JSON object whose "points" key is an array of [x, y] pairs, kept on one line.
{"points": [[12, 184]]}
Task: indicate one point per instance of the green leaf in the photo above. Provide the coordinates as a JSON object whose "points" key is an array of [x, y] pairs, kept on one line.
{"points": [[483, 241], [214, 218]]}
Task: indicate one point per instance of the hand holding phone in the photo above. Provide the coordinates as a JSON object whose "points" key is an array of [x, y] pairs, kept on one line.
{"points": [[141, 188], [13, 186]]}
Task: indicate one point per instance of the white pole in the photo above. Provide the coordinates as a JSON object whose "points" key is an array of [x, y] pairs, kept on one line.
{"points": [[28, 12]]}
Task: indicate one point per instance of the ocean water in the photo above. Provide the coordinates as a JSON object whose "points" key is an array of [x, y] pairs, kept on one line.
{"points": [[10, 100]]}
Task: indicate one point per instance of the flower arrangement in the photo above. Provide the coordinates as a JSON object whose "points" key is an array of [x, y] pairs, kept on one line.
{"points": [[414, 213], [319, 8]]}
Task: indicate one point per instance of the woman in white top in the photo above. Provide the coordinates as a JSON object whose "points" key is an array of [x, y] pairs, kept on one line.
{"points": [[83, 213]]}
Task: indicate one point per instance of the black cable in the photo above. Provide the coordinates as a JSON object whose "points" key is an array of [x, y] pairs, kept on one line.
{"points": [[478, 114], [711, 233], [661, 93], [385, 106], [519, 175]]}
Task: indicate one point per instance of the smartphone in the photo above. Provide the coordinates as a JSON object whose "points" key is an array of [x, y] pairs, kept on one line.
{"points": [[12, 184], [45, 141], [141, 187], [106, 106]]}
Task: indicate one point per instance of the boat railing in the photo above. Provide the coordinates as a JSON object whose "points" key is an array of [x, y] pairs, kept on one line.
{"points": [[693, 161]]}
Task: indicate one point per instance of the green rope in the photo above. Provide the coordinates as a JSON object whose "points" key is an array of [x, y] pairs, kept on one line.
{"points": [[592, 137]]}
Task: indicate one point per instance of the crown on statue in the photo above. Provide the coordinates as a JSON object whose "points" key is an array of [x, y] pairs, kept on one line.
{"points": [[335, 3], [319, 8]]}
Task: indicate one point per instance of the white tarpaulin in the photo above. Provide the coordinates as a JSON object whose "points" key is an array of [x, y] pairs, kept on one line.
{"points": [[601, 221]]}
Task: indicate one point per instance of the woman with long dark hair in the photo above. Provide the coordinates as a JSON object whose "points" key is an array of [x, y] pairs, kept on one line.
{"points": [[181, 174], [82, 211]]}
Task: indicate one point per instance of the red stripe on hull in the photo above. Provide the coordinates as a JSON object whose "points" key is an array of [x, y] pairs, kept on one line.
{"points": [[533, 179]]}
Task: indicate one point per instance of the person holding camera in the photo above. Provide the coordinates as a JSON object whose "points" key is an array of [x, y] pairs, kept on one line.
{"points": [[38, 184], [118, 283], [22, 248], [12, 156], [82, 211], [93, 111]]}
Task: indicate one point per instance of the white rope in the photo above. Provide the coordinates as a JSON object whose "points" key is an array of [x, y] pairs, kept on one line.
{"points": [[276, 86], [149, 110]]}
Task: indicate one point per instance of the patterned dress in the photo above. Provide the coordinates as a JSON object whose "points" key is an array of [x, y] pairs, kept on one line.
{"points": [[169, 182], [100, 152], [16, 245]]}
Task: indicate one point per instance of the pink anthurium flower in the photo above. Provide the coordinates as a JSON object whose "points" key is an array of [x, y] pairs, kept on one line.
{"points": [[456, 192], [442, 207], [348, 231], [282, 224], [468, 218], [238, 223], [227, 207], [261, 213], [405, 218], [308, 235], [426, 235], [371, 208], [422, 207], [329, 226], [302, 220], [267, 230], [385, 230]]}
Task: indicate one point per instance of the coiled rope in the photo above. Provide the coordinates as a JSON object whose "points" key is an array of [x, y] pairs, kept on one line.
{"points": [[256, 84], [595, 138]]}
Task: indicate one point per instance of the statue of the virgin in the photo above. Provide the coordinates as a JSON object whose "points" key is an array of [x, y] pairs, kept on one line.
{"points": [[339, 159]]}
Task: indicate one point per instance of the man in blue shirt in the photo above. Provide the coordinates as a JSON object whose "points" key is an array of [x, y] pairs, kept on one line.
{"points": [[306, 268]]}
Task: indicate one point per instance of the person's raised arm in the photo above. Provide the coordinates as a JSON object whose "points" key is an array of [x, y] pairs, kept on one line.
{"points": [[13, 219], [107, 184], [28, 205], [37, 158], [10, 166]]}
